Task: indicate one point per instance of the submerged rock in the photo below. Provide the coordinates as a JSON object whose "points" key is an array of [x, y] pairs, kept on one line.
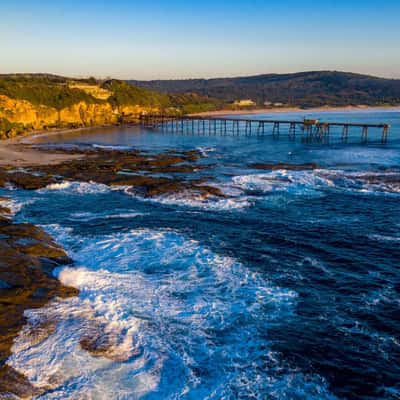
{"points": [[28, 255], [99, 341], [27, 258], [12, 384], [5, 212], [122, 168], [29, 181]]}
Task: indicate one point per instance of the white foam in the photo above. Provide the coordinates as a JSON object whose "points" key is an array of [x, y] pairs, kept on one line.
{"points": [[189, 198], [204, 151], [295, 182], [89, 216], [360, 182], [110, 147], [243, 190], [384, 238], [317, 181], [77, 187], [13, 205], [164, 300]]}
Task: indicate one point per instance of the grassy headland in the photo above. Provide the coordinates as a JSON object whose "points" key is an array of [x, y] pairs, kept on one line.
{"points": [[41, 101]]}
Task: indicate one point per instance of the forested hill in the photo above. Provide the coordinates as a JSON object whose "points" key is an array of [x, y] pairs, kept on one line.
{"points": [[305, 89], [44, 101]]}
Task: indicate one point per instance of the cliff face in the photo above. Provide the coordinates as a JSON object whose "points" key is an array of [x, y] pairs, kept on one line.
{"points": [[30, 116], [23, 112]]}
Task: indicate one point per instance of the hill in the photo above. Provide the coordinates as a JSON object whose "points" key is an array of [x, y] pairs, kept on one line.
{"points": [[43, 101], [303, 89]]}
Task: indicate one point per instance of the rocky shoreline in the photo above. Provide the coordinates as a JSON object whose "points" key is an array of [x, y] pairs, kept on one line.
{"points": [[28, 258], [28, 255], [140, 171]]}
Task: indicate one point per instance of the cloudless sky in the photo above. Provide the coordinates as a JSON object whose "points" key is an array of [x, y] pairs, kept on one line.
{"points": [[161, 39]]}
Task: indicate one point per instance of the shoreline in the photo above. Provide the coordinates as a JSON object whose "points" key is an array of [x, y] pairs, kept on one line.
{"points": [[28, 256], [296, 110], [16, 152]]}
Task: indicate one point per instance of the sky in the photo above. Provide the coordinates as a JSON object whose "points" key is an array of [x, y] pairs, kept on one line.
{"points": [[170, 39]]}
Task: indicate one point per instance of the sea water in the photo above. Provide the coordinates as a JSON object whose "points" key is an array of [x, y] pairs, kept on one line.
{"points": [[288, 288]]}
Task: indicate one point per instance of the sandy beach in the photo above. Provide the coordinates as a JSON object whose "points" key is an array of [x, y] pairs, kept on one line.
{"points": [[17, 152], [295, 110], [18, 155]]}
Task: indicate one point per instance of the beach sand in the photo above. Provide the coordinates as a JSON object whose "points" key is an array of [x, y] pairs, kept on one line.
{"points": [[18, 155], [17, 152], [278, 110]]}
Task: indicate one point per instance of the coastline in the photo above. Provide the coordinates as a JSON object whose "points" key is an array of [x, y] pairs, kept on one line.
{"points": [[295, 109], [15, 154], [17, 151], [28, 257], [100, 342]]}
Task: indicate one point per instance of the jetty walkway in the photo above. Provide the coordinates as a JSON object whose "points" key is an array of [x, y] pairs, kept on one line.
{"points": [[312, 130]]}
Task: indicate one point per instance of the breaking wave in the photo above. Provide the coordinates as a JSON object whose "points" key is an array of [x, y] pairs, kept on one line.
{"points": [[194, 200], [89, 216], [110, 147], [158, 315], [244, 190], [308, 182], [76, 187], [15, 206]]}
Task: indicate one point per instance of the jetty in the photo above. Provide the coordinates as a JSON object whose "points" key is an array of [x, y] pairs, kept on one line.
{"points": [[310, 130]]}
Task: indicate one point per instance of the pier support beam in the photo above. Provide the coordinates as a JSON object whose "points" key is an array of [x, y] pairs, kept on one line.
{"points": [[247, 129], [385, 131], [292, 131], [345, 133], [236, 129], [275, 130], [364, 134]]}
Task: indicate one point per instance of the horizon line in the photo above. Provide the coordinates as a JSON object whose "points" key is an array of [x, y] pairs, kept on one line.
{"points": [[105, 77]]}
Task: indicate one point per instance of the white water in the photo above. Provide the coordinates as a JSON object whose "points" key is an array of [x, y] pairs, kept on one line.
{"points": [[165, 303], [243, 190], [77, 187]]}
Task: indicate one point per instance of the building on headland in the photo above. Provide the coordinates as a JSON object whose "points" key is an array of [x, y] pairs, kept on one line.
{"points": [[269, 104], [244, 103]]}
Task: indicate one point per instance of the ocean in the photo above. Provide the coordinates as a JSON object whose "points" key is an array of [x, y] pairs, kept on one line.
{"points": [[288, 288]]}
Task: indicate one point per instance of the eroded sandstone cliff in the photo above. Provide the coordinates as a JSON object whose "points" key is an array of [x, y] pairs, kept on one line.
{"points": [[21, 115]]}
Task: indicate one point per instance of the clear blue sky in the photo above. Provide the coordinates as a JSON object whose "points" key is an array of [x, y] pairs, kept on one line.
{"points": [[150, 39]]}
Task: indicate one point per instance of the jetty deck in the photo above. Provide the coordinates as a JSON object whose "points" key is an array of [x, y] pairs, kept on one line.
{"points": [[312, 130]]}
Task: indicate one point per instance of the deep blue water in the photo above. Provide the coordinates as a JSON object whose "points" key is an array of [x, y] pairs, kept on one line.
{"points": [[288, 289]]}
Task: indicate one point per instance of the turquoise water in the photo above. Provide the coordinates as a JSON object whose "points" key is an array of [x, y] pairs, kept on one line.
{"points": [[287, 289]]}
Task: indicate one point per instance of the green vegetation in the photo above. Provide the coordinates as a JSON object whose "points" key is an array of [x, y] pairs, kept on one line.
{"points": [[59, 92], [304, 89], [125, 94], [48, 91], [191, 103], [10, 129]]}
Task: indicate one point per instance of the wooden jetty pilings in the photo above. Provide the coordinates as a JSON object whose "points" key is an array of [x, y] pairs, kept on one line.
{"points": [[311, 130]]}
